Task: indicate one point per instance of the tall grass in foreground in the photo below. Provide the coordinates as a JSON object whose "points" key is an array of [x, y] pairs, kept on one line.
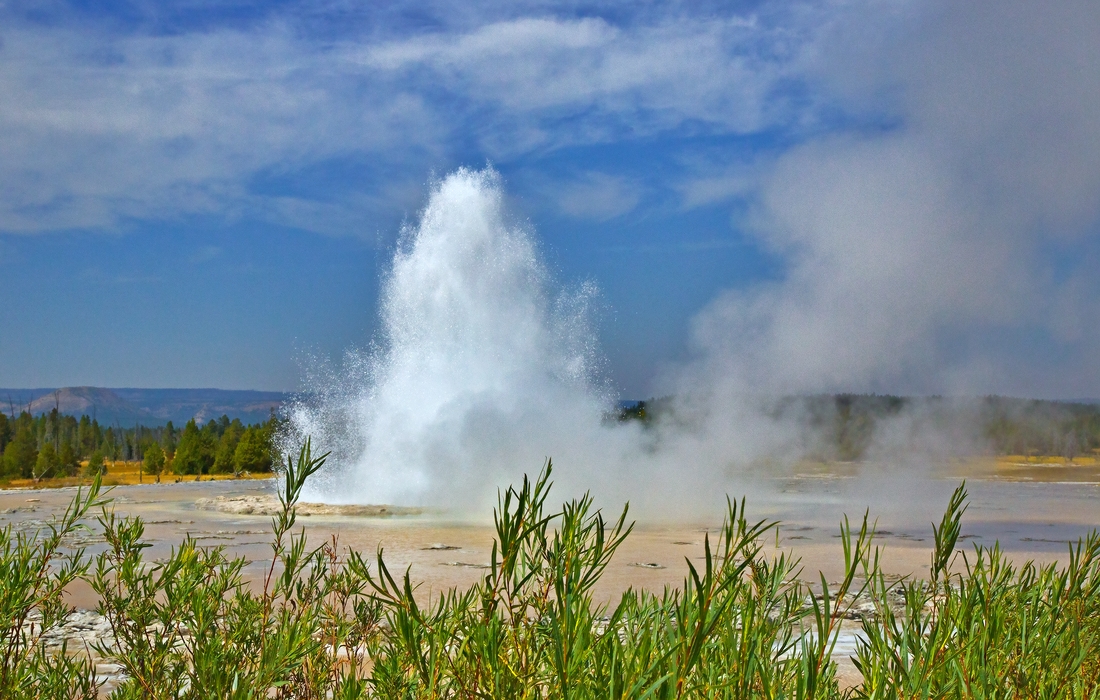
{"points": [[333, 624]]}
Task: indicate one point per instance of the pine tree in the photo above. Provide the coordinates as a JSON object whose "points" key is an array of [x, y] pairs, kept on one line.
{"points": [[84, 436], [109, 444], [195, 451], [168, 440], [227, 448], [21, 452], [253, 451], [67, 462], [5, 432], [96, 465], [46, 462], [153, 463]]}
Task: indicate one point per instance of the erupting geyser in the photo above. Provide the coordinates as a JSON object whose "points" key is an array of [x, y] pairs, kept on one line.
{"points": [[482, 369]]}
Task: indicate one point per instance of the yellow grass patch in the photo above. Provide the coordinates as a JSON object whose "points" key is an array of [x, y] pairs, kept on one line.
{"points": [[1080, 461], [123, 473]]}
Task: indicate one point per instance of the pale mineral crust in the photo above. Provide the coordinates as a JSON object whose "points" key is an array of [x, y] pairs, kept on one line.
{"points": [[270, 505]]}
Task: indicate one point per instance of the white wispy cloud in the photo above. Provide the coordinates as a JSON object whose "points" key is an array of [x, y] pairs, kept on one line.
{"points": [[705, 186], [598, 196], [101, 125], [719, 73], [174, 124]]}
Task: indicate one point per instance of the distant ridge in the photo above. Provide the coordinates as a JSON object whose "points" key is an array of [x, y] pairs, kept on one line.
{"points": [[103, 404], [130, 406]]}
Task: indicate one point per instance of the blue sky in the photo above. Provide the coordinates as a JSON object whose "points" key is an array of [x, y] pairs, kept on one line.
{"points": [[865, 195]]}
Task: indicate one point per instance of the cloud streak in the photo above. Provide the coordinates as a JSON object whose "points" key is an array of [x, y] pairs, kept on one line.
{"points": [[102, 126], [643, 78], [105, 128]]}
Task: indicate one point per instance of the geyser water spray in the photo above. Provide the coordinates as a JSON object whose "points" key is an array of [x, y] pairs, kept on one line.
{"points": [[482, 369]]}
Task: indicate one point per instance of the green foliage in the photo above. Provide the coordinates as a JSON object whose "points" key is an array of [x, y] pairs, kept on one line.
{"points": [[67, 462], [21, 453], [87, 436], [35, 569], [195, 451], [96, 465], [168, 439], [153, 462], [327, 623], [227, 447], [46, 462], [254, 451], [109, 445], [5, 433], [991, 631], [213, 447], [189, 627]]}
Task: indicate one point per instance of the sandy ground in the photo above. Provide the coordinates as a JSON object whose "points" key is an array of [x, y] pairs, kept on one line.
{"points": [[1033, 510], [1032, 518]]}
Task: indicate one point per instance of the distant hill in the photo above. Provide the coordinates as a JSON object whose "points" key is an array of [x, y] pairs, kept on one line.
{"points": [[180, 405], [105, 405], [128, 406]]}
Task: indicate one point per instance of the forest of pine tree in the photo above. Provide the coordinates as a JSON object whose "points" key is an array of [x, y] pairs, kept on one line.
{"points": [[55, 445]]}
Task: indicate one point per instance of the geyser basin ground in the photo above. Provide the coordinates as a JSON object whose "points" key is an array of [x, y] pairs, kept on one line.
{"points": [[1030, 519]]}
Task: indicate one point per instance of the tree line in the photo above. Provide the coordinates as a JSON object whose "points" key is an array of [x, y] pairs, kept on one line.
{"points": [[845, 427], [58, 445], [850, 423]]}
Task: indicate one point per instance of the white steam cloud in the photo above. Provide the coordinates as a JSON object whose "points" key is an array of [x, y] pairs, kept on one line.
{"points": [[913, 249], [917, 252]]}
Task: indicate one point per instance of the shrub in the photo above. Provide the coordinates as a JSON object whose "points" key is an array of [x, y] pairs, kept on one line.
{"points": [[46, 462], [96, 465], [68, 464], [35, 569], [331, 624], [21, 453], [153, 461]]}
